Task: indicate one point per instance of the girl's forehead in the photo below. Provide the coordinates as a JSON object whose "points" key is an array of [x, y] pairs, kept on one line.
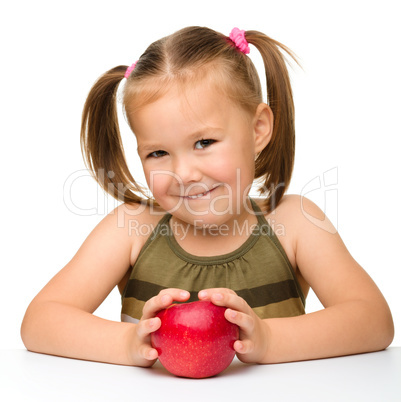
{"points": [[192, 97], [198, 104], [180, 106], [144, 91]]}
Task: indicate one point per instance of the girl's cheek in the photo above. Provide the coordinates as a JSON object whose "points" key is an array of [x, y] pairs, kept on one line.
{"points": [[159, 183]]}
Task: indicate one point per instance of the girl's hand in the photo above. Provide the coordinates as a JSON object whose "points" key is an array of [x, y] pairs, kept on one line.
{"points": [[252, 344], [144, 354]]}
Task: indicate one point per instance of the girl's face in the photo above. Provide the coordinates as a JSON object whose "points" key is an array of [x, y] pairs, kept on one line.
{"points": [[197, 150]]}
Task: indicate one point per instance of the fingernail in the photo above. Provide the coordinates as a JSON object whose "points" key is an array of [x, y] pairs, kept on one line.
{"points": [[202, 294], [184, 294]]}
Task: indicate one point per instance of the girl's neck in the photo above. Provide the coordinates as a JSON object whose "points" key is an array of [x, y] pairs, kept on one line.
{"points": [[214, 240]]}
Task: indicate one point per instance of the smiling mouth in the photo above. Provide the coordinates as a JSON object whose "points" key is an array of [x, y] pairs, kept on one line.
{"points": [[194, 197], [200, 195]]}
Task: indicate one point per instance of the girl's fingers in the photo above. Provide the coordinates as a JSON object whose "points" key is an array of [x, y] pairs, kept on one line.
{"points": [[225, 297], [146, 355], [149, 323], [244, 346], [246, 322], [207, 294], [164, 299], [146, 327], [252, 343]]}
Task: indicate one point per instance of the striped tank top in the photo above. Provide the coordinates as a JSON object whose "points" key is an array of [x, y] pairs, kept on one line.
{"points": [[258, 271]]}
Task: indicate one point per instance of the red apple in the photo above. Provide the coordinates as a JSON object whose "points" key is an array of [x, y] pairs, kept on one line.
{"points": [[195, 340]]}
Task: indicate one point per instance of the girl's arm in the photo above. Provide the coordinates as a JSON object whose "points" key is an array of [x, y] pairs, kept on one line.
{"points": [[59, 320], [356, 317]]}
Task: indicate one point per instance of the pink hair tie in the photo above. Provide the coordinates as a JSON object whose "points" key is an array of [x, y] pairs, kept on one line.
{"points": [[238, 37], [130, 70]]}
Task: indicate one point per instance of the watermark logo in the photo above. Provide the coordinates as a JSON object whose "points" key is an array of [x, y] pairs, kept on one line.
{"points": [[233, 199], [330, 193]]}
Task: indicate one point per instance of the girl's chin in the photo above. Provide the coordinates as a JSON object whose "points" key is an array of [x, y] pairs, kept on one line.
{"points": [[203, 211]]}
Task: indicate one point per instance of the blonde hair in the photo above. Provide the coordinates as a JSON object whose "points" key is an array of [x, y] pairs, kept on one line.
{"points": [[188, 55]]}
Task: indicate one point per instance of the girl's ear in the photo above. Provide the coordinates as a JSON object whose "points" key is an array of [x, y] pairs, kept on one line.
{"points": [[262, 127]]}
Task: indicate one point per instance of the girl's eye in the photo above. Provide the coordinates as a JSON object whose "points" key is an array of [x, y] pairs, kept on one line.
{"points": [[203, 143], [157, 154]]}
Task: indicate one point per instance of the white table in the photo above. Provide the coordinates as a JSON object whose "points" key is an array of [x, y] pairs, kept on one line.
{"points": [[26, 376]]}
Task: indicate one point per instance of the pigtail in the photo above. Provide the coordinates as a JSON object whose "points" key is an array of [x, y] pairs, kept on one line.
{"points": [[101, 143], [276, 161]]}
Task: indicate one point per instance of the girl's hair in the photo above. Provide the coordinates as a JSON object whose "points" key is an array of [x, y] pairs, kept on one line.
{"points": [[186, 57]]}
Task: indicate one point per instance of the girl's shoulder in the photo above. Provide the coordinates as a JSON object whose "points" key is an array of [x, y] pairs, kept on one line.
{"points": [[296, 219], [131, 215], [304, 216], [107, 253], [132, 224], [296, 212]]}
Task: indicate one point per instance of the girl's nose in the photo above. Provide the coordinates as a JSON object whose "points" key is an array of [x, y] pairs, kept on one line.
{"points": [[187, 170]]}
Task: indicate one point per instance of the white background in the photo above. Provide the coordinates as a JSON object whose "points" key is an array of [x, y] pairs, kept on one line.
{"points": [[347, 100]]}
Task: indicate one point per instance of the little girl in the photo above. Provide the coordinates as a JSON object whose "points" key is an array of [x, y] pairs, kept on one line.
{"points": [[204, 135]]}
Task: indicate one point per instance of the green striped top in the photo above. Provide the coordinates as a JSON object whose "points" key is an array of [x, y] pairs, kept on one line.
{"points": [[258, 271]]}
